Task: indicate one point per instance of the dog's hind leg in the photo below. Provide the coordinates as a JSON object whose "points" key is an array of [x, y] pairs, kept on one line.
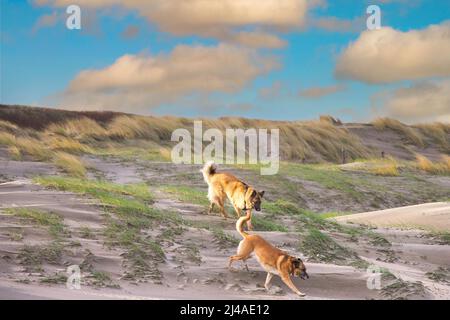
{"points": [[244, 262], [211, 207], [268, 280], [222, 207], [243, 253]]}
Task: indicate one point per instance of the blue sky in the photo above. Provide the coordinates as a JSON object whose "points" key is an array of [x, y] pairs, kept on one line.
{"points": [[41, 61]]}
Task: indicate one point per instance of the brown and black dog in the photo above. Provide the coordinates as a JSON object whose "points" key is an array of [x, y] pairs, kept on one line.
{"points": [[273, 260], [224, 185]]}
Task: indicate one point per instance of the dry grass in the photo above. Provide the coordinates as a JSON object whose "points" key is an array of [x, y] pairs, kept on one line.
{"points": [[437, 132], [70, 164], [386, 168], [7, 139], [82, 132], [15, 153], [139, 127], [32, 147], [78, 129], [446, 163], [69, 145], [165, 154], [411, 134], [330, 119], [425, 164], [7, 126], [24, 145]]}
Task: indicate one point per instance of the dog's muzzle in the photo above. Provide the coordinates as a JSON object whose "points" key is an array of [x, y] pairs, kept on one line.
{"points": [[304, 275]]}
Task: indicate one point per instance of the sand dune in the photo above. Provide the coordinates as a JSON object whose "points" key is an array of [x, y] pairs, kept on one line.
{"points": [[430, 216]]}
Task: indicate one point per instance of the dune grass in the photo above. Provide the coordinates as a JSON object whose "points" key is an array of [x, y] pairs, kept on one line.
{"points": [[388, 167], [32, 147], [7, 126], [7, 139], [14, 152], [70, 164], [439, 168], [412, 135], [80, 128], [438, 132], [68, 145]]}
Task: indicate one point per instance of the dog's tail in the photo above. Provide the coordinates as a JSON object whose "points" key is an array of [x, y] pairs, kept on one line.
{"points": [[209, 170], [240, 222]]}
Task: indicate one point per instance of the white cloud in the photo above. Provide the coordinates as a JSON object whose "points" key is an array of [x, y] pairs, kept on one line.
{"points": [[142, 82], [319, 92], [46, 20], [421, 102], [271, 92], [210, 18], [388, 55], [256, 39], [333, 24]]}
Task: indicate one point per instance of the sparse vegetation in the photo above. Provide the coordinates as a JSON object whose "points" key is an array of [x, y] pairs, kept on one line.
{"points": [[132, 214], [442, 274], [32, 257], [224, 239], [101, 279], [52, 221], [188, 194], [402, 290], [318, 246], [267, 224], [443, 237], [87, 233], [56, 278]]}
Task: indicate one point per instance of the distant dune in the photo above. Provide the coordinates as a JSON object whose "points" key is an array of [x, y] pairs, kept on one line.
{"points": [[428, 216], [315, 141]]}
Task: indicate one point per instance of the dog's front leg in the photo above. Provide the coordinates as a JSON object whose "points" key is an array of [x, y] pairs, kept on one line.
{"points": [[238, 211], [287, 280], [249, 222], [268, 280]]}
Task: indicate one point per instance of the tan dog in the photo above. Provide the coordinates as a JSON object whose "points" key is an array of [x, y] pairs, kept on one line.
{"points": [[224, 185], [273, 260]]}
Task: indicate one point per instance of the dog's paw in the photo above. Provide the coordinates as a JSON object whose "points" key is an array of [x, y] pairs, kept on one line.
{"points": [[301, 294]]}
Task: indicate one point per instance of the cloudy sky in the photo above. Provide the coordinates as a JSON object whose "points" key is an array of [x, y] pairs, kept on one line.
{"points": [[273, 59]]}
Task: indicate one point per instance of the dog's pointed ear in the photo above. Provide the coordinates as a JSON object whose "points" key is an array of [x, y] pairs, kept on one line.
{"points": [[261, 194]]}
